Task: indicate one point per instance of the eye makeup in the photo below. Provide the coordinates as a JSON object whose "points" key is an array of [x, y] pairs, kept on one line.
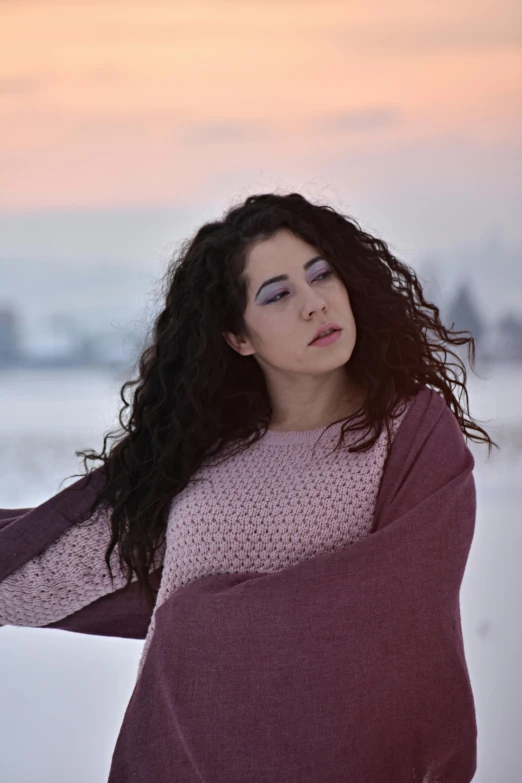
{"points": [[321, 276], [270, 293]]}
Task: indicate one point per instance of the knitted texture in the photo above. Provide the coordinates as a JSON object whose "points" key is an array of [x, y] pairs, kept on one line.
{"points": [[271, 506], [70, 574]]}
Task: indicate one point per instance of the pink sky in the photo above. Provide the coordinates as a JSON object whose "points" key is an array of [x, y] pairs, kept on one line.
{"points": [[141, 103]]}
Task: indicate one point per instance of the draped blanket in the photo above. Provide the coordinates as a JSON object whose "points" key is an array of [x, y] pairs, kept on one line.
{"points": [[348, 667]]}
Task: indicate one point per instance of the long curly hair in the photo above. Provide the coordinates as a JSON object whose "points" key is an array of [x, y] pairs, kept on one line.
{"points": [[195, 397]]}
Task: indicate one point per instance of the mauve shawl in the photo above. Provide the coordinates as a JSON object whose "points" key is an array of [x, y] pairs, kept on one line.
{"points": [[348, 667]]}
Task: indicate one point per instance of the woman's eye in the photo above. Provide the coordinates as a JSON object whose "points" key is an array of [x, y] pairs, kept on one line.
{"points": [[275, 299], [326, 273]]}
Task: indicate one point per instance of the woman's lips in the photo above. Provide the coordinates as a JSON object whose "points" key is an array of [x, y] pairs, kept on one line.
{"points": [[330, 338], [325, 328]]}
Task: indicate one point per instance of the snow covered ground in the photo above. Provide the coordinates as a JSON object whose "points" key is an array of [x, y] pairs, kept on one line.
{"points": [[63, 695]]}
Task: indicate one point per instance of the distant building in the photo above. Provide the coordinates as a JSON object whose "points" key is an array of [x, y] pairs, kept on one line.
{"points": [[114, 348], [9, 336], [57, 342]]}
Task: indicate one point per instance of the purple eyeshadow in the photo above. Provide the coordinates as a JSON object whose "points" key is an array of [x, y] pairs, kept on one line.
{"points": [[273, 294]]}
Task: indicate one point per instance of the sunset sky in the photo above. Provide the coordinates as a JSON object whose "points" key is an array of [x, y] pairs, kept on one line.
{"points": [[118, 117]]}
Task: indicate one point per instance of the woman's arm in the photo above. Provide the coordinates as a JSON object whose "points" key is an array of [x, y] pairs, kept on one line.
{"points": [[123, 613], [70, 574], [53, 573]]}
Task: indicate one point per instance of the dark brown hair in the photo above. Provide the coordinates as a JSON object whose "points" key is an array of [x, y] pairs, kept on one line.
{"points": [[196, 397]]}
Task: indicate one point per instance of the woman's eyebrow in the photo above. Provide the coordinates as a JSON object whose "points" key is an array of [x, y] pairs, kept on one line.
{"points": [[285, 277]]}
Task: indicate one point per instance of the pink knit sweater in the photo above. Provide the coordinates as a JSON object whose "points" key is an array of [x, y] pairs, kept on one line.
{"points": [[267, 508]]}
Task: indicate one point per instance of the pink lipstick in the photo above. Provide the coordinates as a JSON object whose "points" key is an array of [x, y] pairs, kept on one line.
{"points": [[329, 339]]}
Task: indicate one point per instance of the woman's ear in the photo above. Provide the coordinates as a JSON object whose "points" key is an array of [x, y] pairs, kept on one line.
{"points": [[239, 344]]}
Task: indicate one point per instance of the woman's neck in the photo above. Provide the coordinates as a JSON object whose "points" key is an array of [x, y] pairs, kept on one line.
{"points": [[349, 404]]}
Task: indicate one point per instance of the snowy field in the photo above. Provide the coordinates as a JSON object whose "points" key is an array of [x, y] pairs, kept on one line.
{"points": [[63, 695]]}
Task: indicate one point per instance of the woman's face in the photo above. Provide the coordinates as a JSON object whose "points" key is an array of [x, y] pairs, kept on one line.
{"points": [[282, 316]]}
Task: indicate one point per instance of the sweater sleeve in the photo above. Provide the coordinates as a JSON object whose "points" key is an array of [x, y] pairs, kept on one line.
{"points": [[70, 574]]}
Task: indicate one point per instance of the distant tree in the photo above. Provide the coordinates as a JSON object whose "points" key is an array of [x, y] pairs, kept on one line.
{"points": [[510, 337], [462, 314]]}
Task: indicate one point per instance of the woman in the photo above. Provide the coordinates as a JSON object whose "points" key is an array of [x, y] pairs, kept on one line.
{"points": [[297, 583]]}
